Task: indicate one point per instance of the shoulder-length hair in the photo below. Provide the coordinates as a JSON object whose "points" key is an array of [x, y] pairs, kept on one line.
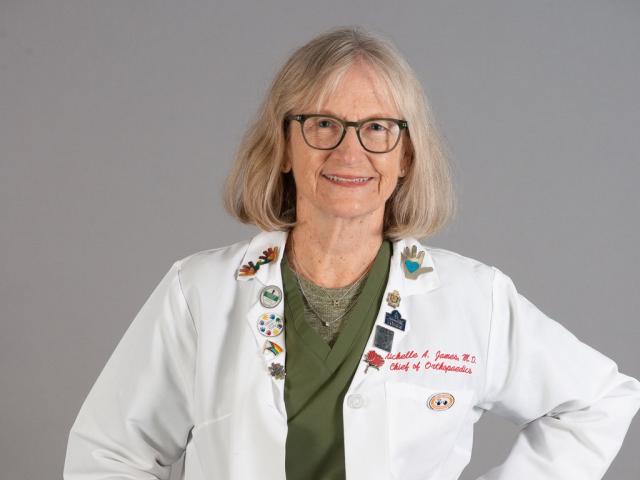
{"points": [[258, 192]]}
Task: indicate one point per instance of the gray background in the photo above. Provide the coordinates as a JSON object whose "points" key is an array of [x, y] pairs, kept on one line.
{"points": [[119, 121]]}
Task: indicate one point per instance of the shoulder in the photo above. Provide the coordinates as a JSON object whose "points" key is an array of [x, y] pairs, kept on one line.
{"points": [[455, 267], [214, 263], [468, 274]]}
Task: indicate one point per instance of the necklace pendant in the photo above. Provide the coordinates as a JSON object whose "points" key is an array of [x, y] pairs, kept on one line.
{"points": [[335, 303]]}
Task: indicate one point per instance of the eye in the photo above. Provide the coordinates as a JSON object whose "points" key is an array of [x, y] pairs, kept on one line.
{"points": [[324, 123], [378, 126]]}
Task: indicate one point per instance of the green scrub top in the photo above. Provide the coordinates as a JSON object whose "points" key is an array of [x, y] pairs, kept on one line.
{"points": [[318, 375]]}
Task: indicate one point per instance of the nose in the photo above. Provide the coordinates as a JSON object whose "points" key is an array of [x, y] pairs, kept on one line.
{"points": [[350, 145]]}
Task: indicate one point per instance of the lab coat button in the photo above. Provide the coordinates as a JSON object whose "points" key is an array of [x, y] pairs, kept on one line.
{"points": [[355, 401]]}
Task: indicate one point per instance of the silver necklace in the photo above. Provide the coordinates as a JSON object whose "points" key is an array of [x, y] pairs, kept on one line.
{"points": [[335, 301], [324, 322]]}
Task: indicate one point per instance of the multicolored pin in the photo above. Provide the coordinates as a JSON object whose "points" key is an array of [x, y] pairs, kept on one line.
{"points": [[270, 324], [269, 255], [270, 296], [412, 262], [272, 347]]}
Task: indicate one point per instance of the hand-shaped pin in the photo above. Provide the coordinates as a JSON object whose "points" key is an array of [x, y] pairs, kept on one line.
{"points": [[412, 262]]}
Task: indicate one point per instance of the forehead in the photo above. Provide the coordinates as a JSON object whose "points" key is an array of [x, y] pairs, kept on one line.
{"points": [[356, 92]]}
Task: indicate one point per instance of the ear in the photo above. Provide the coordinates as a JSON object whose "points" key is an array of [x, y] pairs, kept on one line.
{"points": [[286, 161], [406, 161], [285, 166]]}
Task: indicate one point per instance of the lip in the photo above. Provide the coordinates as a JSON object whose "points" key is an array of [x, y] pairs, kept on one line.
{"points": [[347, 184], [345, 176]]}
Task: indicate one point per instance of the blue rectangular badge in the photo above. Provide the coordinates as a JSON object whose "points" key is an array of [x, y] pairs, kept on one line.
{"points": [[394, 319], [383, 338]]}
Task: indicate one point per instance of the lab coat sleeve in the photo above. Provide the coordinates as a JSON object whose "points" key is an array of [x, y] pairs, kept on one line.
{"points": [[572, 404], [135, 421]]}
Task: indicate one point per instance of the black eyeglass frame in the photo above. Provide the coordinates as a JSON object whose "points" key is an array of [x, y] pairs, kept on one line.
{"points": [[345, 124]]}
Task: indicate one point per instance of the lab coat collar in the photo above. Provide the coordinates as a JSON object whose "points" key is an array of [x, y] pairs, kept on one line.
{"points": [[270, 273]]}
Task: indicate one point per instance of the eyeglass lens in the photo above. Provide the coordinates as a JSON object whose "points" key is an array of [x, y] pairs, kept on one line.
{"points": [[376, 135]]}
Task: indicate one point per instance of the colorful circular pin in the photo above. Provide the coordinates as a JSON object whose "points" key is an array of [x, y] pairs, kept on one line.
{"points": [[440, 401], [270, 324], [270, 296]]}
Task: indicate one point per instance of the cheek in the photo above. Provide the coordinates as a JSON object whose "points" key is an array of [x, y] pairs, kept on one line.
{"points": [[306, 168], [388, 186], [389, 173]]}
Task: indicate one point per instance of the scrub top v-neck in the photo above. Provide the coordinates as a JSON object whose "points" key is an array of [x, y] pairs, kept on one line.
{"points": [[319, 375]]}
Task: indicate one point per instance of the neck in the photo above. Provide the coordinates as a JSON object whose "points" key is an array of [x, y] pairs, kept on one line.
{"points": [[335, 253]]}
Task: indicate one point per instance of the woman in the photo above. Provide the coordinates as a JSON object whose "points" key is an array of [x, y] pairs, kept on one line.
{"points": [[393, 349]]}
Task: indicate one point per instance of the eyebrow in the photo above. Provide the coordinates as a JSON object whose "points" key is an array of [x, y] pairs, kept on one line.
{"points": [[325, 111]]}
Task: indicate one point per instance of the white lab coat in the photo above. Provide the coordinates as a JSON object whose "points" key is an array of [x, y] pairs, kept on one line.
{"points": [[191, 375]]}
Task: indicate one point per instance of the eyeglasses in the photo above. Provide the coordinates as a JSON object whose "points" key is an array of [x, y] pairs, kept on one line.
{"points": [[325, 132]]}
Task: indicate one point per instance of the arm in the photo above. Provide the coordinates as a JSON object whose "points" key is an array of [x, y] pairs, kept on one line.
{"points": [[136, 418], [573, 405]]}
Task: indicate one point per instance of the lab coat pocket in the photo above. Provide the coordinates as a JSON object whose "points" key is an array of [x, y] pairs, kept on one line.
{"points": [[423, 424], [214, 446]]}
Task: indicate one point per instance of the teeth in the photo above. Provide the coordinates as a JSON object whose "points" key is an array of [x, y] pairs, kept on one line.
{"points": [[347, 180]]}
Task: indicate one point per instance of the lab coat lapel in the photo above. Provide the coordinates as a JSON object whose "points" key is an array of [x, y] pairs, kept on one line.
{"points": [[261, 266], [407, 288]]}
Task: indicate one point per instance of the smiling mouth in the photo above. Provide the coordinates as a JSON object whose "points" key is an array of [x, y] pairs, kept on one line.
{"points": [[347, 180]]}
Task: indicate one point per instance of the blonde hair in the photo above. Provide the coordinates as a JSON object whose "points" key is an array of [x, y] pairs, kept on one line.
{"points": [[259, 193]]}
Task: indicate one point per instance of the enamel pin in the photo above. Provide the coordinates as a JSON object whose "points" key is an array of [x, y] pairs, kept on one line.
{"points": [[272, 347], [383, 338], [373, 359], [269, 255], [277, 371], [393, 299], [440, 401], [394, 319], [270, 324], [270, 296], [412, 262]]}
